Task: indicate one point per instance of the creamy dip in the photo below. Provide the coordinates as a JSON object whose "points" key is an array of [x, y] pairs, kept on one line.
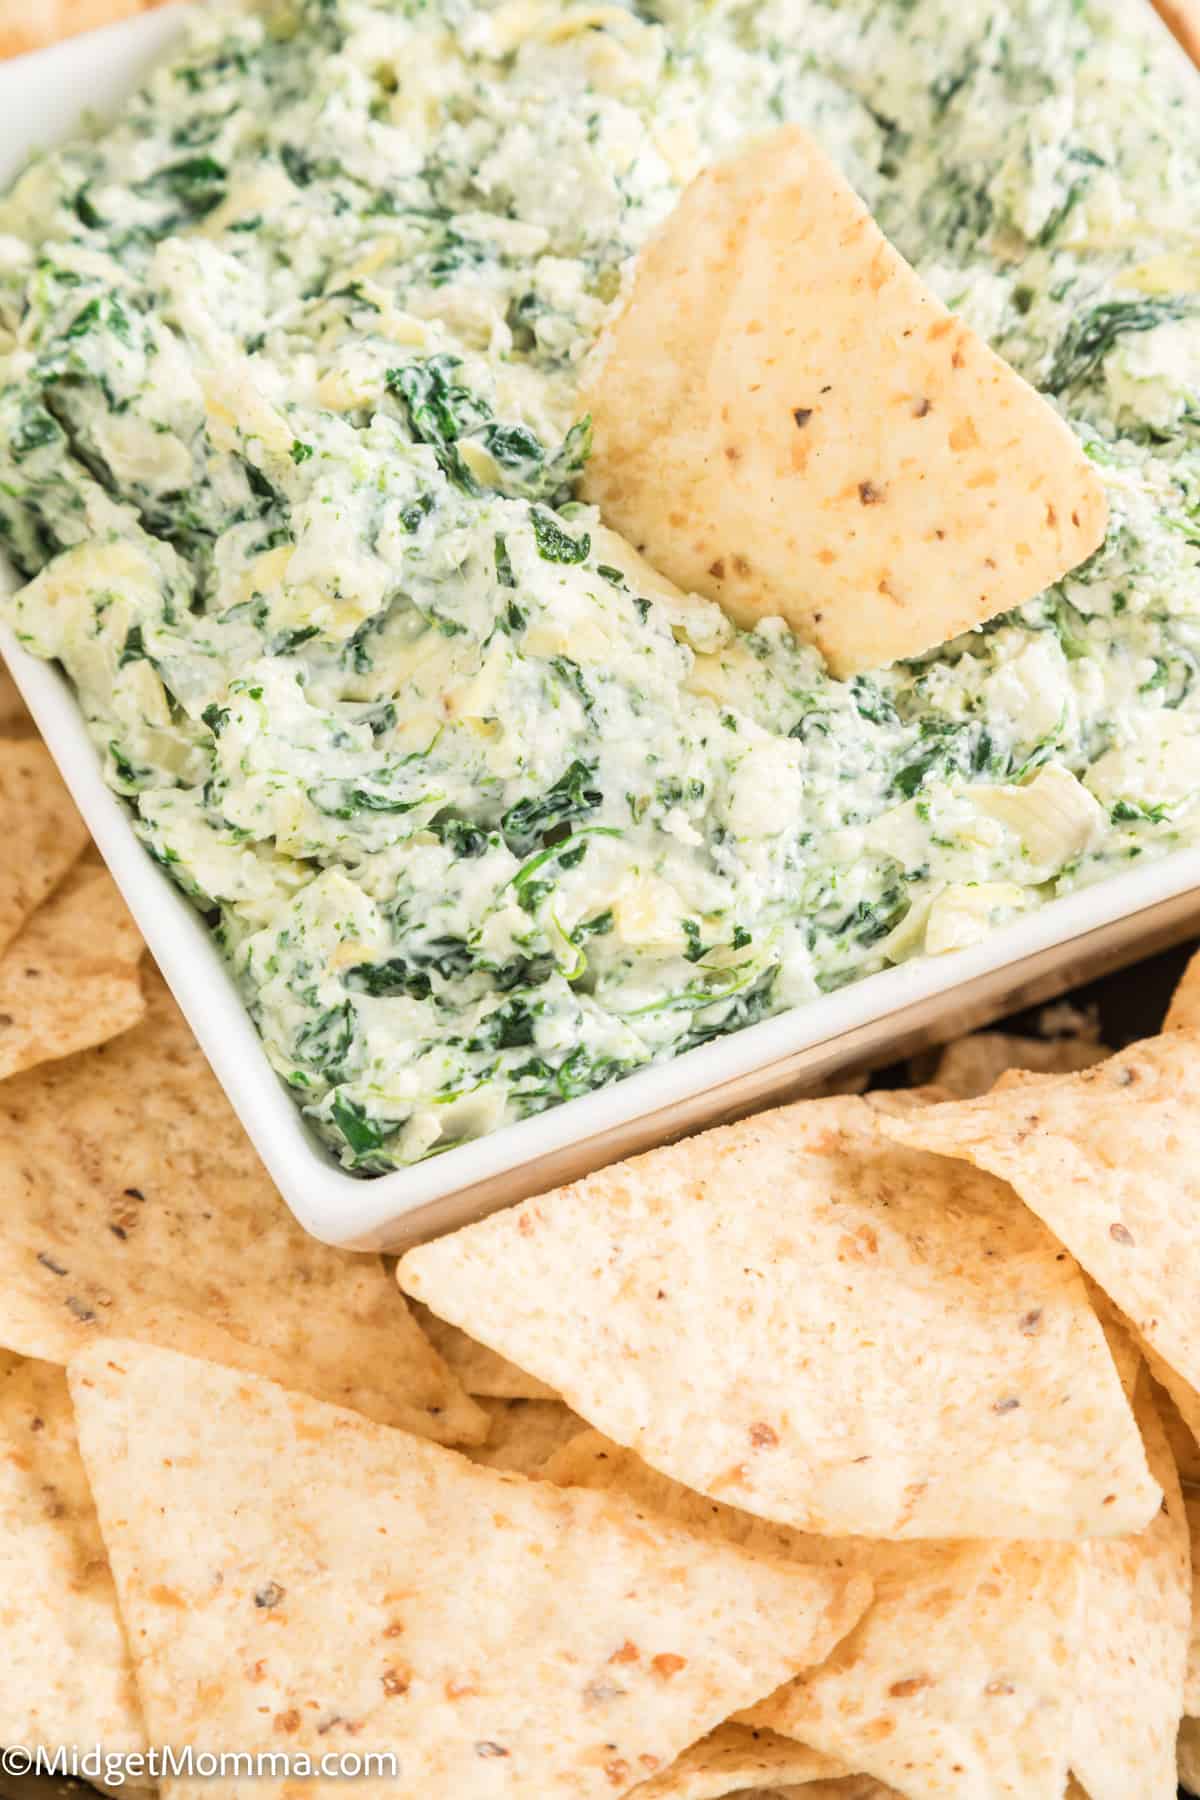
{"points": [[484, 814]]}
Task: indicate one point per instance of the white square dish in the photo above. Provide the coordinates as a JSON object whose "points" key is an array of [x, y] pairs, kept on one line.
{"points": [[885, 1015]]}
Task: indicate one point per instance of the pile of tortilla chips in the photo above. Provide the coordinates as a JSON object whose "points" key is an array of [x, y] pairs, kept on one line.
{"points": [[843, 1453], [942, 1341]]}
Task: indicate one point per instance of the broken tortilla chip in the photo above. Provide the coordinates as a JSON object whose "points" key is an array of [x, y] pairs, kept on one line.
{"points": [[524, 1434], [69, 979], [787, 420], [722, 1763], [951, 1684], [480, 1370], [972, 1065], [39, 827], [903, 1352], [67, 1674], [501, 1636], [1110, 1159], [131, 1200]]}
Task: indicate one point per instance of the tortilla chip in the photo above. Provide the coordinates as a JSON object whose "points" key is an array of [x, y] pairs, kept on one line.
{"points": [[952, 1684], [480, 1370], [1128, 1671], [1180, 1426], [1110, 1160], [1191, 1686], [845, 1787], [131, 1200], [525, 1433], [979, 1668], [1184, 1011], [34, 24], [848, 1787], [786, 419], [972, 1065], [1187, 1755], [729, 1757], [1118, 1335], [70, 978], [41, 832], [67, 1674], [901, 1351], [356, 1586], [15, 721], [1182, 17]]}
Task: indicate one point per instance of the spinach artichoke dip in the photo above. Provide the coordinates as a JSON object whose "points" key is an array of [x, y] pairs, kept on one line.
{"points": [[484, 814]]}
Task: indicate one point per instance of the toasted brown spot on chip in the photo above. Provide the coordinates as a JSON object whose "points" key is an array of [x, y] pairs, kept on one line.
{"points": [[668, 1664], [912, 1684]]}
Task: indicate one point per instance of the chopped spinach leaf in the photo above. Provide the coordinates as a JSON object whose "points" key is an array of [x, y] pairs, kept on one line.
{"points": [[553, 543], [571, 797]]}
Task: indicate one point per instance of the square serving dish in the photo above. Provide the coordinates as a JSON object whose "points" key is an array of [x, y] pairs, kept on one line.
{"points": [[882, 1017]]}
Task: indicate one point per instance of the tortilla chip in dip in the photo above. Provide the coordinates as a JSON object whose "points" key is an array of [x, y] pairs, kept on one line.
{"points": [[787, 420], [131, 1200], [788, 1315], [356, 1587]]}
